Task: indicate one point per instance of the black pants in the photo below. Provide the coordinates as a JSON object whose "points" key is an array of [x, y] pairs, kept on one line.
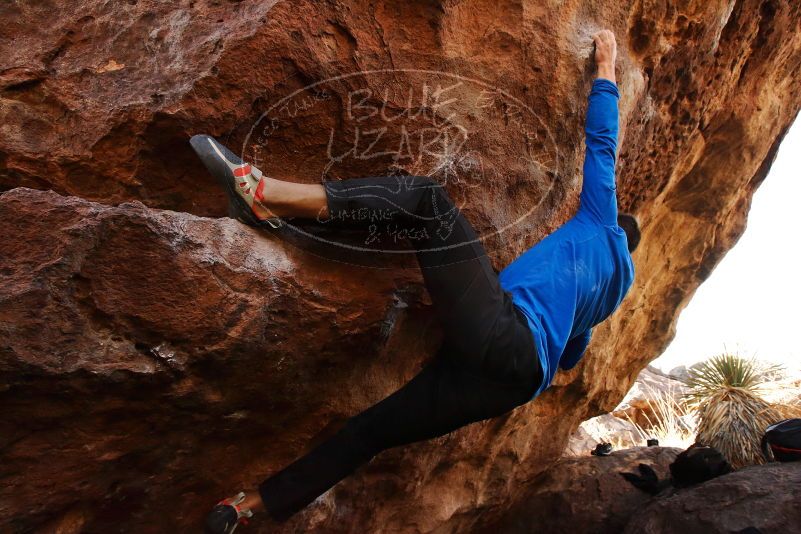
{"points": [[487, 364]]}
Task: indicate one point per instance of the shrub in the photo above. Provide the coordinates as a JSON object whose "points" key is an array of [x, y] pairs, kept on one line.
{"points": [[727, 371], [732, 416], [672, 422], [733, 420]]}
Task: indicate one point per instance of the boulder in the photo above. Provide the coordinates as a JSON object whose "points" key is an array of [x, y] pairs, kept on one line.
{"points": [[150, 356], [153, 359], [621, 433], [679, 373], [651, 396], [588, 495], [585, 494], [650, 409], [763, 497]]}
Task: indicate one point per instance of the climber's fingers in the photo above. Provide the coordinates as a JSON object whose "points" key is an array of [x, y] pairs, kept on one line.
{"points": [[604, 37], [605, 47]]}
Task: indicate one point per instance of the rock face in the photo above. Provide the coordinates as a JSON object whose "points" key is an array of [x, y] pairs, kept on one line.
{"points": [[763, 497], [156, 342], [148, 356], [586, 494]]}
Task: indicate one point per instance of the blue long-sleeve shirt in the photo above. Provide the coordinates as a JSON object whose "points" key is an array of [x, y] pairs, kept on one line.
{"points": [[577, 276]]}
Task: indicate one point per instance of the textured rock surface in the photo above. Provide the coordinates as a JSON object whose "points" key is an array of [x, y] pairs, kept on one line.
{"points": [[151, 355], [585, 494], [764, 497], [605, 428], [651, 390], [642, 406]]}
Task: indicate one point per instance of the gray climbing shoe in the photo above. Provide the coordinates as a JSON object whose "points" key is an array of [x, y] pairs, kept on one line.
{"points": [[243, 182]]}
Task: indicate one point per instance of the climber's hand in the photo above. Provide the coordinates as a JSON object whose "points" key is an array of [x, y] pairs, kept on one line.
{"points": [[605, 54], [605, 48]]}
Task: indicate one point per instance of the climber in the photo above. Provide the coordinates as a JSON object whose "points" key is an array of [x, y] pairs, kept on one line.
{"points": [[503, 335]]}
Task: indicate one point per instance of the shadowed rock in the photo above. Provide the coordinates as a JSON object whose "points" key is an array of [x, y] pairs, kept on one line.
{"points": [[764, 497], [585, 494]]}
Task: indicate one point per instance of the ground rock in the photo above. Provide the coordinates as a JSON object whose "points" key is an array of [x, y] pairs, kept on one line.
{"points": [[585, 494], [765, 497], [148, 356], [680, 373]]}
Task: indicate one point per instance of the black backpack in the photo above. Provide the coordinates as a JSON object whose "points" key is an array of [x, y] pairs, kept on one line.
{"points": [[698, 464], [783, 439]]}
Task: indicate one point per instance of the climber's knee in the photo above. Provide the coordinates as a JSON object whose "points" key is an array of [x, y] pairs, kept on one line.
{"points": [[359, 433], [432, 198], [421, 181]]}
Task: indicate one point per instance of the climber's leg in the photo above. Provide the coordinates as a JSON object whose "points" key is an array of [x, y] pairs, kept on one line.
{"points": [[457, 272], [444, 396], [458, 275], [474, 310], [288, 199], [488, 363]]}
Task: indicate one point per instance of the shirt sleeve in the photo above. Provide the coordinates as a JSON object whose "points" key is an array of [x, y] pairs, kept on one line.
{"points": [[574, 350], [598, 193]]}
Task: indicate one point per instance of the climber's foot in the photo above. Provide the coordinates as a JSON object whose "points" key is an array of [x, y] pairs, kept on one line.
{"points": [[229, 513], [243, 182]]}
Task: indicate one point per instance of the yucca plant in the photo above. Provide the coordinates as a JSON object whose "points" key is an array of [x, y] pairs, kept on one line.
{"points": [[732, 416], [726, 371], [733, 420]]}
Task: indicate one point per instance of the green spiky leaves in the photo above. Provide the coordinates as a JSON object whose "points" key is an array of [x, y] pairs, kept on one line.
{"points": [[726, 371]]}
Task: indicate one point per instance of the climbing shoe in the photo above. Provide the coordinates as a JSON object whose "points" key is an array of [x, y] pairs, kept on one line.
{"points": [[226, 516], [602, 449], [242, 182]]}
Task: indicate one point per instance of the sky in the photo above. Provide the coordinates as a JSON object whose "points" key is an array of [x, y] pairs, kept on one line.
{"points": [[751, 303]]}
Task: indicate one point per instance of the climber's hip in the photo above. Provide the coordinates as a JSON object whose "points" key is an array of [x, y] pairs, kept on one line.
{"points": [[484, 332]]}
